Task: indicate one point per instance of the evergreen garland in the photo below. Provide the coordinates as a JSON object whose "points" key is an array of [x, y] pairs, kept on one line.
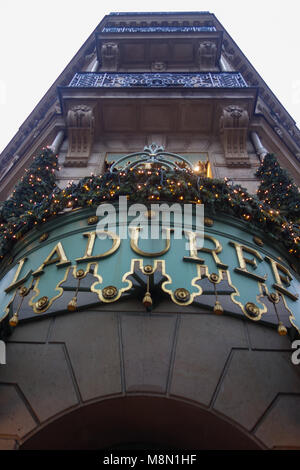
{"points": [[37, 198]]}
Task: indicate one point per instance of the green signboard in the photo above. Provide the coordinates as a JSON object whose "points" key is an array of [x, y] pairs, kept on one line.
{"points": [[71, 267]]}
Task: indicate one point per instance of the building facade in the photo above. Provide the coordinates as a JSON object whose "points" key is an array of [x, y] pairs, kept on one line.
{"points": [[150, 343]]}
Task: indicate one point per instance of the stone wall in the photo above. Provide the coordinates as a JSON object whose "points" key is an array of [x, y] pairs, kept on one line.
{"points": [[234, 370], [177, 144]]}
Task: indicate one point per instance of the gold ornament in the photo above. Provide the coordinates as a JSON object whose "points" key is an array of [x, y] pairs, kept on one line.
{"points": [[208, 222], [23, 291], [80, 273], [110, 292], [214, 277], [258, 241], [148, 269], [42, 303], [147, 300], [252, 309], [44, 237], [218, 309], [182, 295], [92, 220], [72, 305], [274, 298], [282, 329]]}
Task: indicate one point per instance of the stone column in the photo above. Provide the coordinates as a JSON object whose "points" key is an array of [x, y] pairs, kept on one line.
{"points": [[222, 64], [95, 66], [57, 141], [259, 148]]}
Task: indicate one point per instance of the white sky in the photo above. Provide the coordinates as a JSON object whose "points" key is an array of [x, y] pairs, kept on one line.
{"points": [[39, 38]]}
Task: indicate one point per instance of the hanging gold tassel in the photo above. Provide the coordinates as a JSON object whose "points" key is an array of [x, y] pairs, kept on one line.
{"points": [[14, 320], [282, 329], [147, 300], [72, 305], [275, 298], [23, 291], [218, 309]]}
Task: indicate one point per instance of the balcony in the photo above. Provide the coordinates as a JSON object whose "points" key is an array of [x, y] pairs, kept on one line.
{"points": [[143, 103], [158, 80]]}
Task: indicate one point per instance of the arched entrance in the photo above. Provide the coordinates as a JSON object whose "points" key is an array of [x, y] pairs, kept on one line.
{"points": [[144, 422]]}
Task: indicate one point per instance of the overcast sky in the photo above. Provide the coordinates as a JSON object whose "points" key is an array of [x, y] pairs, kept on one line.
{"points": [[38, 39]]}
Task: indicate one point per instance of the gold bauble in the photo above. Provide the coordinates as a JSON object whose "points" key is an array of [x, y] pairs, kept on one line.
{"points": [[208, 222], [218, 309], [92, 220], [44, 237], [258, 241]]}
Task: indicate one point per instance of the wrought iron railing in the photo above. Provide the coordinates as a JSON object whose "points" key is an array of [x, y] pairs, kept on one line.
{"points": [[158, 80], [158, 29]]}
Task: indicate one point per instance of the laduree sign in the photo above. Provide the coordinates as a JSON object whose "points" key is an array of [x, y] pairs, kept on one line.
{"points": [[70, 267]]}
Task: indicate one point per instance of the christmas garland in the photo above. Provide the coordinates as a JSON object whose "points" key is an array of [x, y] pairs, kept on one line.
{"points": [[36, 198], [278, 190]]}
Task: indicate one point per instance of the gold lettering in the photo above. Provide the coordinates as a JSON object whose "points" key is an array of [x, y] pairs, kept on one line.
{"points": [[135, 231], [15, 282], [244, 261], [56, 256], [91, 236], [193, 258], [281, 280]]}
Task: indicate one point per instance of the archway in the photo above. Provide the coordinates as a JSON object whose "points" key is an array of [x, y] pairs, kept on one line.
{"points": [[143, 422]]}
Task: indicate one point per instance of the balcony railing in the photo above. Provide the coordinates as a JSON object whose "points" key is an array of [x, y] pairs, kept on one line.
{"points": [[159, 29], [158, 80]]}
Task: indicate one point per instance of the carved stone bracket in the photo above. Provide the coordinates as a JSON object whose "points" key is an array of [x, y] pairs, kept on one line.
{"points": [[207, 55], [234, 123], [110, 56], [80, 123]]}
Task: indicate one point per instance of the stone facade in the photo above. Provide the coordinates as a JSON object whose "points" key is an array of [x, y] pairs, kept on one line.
{"points": [[116, 374], [239, 373]]}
